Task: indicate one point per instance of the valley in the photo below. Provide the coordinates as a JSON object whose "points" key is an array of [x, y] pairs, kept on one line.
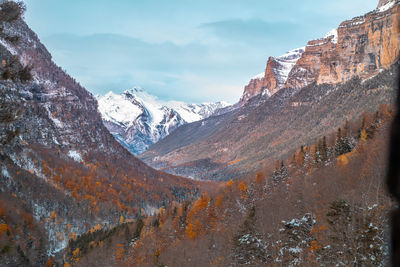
{"points": [[293, 174]]}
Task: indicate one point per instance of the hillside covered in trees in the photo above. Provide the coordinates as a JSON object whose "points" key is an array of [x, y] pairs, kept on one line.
{"points": [[61, 172], [327, 203]]}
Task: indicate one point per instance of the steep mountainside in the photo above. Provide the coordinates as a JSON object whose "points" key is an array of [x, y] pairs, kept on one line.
{"points": [[138, 120], [59, 164], [310, 104], [324, 205]]}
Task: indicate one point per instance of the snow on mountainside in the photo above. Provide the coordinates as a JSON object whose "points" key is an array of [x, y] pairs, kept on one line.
{"points": [[333, 33], [287, 62], [259, 76], [386, 6], [275, 75], [138, 120]]}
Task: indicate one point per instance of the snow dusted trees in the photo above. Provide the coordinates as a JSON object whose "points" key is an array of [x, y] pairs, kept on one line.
{"points": [[343, 144], [248, 246]]}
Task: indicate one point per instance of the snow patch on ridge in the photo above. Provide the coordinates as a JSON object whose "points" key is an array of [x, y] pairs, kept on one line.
{"points": [[386, 7], [288, 61], [258, 76], [333, 33]]}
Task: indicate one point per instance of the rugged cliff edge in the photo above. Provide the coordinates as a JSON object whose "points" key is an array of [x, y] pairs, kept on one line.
{"points": [[362, 46], [274, 77]]}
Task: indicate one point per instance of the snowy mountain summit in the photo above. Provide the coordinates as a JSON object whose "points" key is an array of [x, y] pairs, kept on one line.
{"points": [[138, 120]]}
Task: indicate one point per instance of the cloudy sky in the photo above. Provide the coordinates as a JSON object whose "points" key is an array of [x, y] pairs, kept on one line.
{"points": [[187, 50]]}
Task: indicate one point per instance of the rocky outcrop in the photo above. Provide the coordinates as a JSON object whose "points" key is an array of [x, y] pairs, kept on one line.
{"points": [[253, 88], [308, 66], [366, 45], [274, 77], [362, 46], [272, 81]]}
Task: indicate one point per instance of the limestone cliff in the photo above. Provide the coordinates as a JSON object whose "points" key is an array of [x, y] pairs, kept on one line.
{"points": [[366, 45], [308, 66], [274, 77], [253, 88], [362, 46]]}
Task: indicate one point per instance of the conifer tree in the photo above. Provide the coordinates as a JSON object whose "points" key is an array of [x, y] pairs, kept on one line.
{"points": [[342, 145]]}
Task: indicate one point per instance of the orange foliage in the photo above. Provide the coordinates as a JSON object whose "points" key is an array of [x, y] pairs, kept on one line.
{"points": [[243, 190], [3, 211], [219, 201], [49, 262], [196, 212], [234, 161], [75, 253], [120, 251], [192, 230], [3, 228], [314, 246], [343, 160], [52, 216]]}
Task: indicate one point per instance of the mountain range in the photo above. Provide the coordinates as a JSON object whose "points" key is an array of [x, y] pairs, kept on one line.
{"points": [[300, 96], [138, 120]]}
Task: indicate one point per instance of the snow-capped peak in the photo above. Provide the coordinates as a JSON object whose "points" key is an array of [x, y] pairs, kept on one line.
{"points": [[139, 119], [333, 33], [118, 109]]}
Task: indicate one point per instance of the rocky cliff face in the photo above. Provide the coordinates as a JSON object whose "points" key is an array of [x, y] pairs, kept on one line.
{"points": [[366, 45], [253, 88], [274, 77], [308, 66], [362, 46]]}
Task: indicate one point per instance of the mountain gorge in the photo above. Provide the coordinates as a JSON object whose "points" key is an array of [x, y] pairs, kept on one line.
{"points": [[291, 175], [138, 120], [336, 76]]}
